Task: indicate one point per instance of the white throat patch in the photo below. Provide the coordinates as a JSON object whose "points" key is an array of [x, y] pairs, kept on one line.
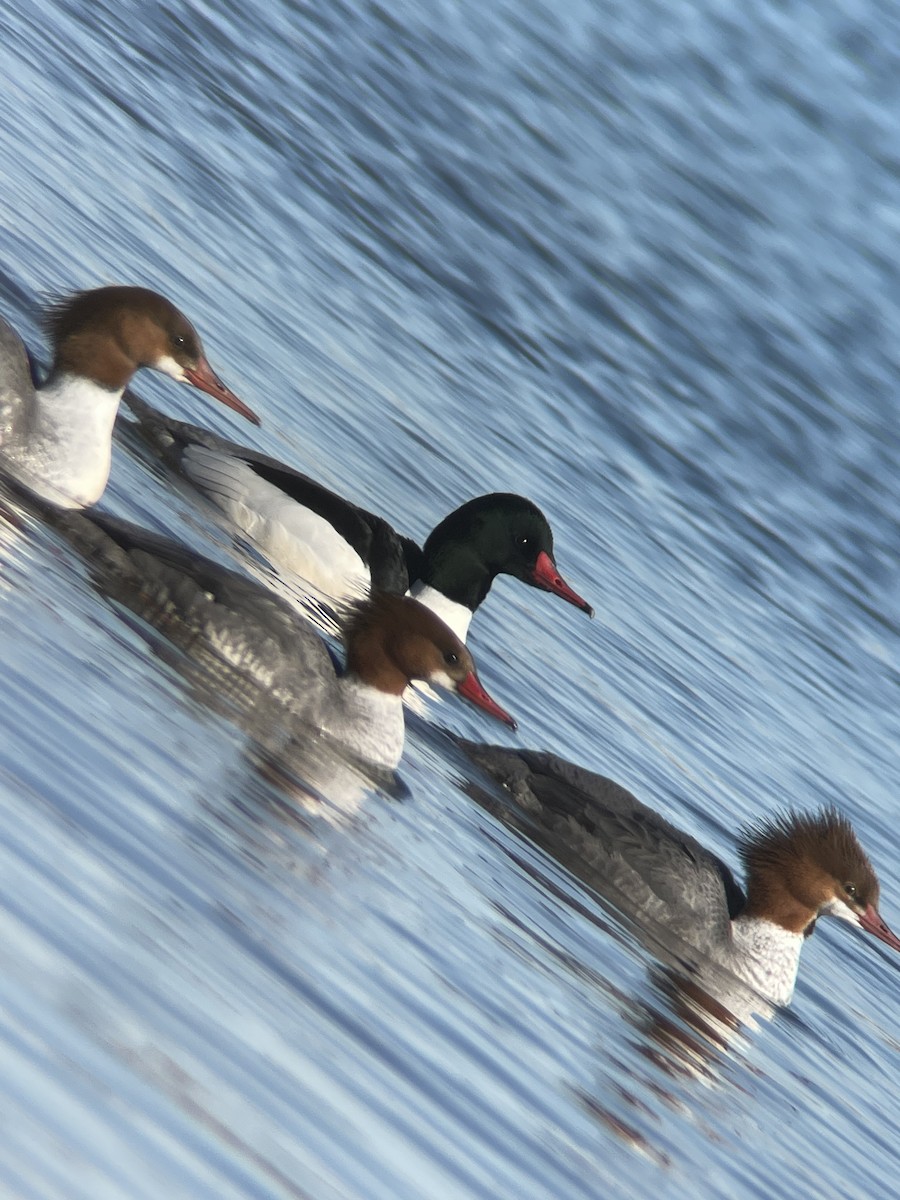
{"points": [[167, 364]]}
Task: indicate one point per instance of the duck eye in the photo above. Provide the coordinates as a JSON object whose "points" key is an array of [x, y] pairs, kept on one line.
{"points": [[524, 541], [451, 659], [179, 341], [850, 889]]}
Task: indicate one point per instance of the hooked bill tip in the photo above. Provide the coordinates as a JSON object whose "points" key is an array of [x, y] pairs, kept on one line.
{"points": [[873, 922], [471, 689], [545, 575]]}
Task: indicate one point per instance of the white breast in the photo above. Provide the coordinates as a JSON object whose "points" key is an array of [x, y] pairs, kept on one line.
{"points": [[369, 723], [766, 956], [62, 448]]}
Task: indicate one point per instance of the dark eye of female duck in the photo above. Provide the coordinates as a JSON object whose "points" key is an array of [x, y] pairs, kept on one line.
{"points": [[451, 659], [850, 889], [179, 341]]}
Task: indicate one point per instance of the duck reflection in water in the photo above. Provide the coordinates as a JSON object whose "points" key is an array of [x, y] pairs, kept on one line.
{"points": [[310, 785], [724, 959]]}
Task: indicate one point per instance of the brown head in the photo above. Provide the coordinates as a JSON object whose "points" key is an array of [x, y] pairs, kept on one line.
{"points": [[392, 640], [804, 865], [108, 333]]}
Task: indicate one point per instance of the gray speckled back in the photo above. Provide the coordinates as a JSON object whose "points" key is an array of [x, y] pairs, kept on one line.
{"points": [[254, 648], [617, 845]]}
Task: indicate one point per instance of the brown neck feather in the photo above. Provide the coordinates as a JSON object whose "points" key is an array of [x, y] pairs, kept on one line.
{"points": [[797, 862], [368, 660], [97, 356], [769, 898]]}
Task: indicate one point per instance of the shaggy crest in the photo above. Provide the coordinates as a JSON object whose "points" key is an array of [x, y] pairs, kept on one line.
{"points": [[361, 615], [825, 840], [403, 612], [64, 315]]}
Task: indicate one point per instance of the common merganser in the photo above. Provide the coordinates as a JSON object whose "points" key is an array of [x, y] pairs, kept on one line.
{"points": [[341, 549], [799, 867], [56, 438], [254, 648]]}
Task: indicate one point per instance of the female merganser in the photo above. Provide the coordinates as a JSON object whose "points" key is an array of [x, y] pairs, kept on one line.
{"points": [[341, 549], [56, 438], [799, 867], [253, 648]]}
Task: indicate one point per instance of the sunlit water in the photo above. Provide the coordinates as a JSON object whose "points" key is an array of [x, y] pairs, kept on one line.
{"points": [[635, 261]]}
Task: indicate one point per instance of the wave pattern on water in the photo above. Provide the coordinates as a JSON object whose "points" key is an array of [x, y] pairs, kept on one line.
{"points": [[635, 261]]}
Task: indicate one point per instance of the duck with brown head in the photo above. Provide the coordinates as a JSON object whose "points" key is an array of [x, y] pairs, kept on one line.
{"points": [[392, 641], [799, 867], [802, 866], [258, 659], [56, 438]]}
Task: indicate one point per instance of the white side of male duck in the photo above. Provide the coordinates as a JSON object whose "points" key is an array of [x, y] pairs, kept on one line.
{"points": [[341, 549]]}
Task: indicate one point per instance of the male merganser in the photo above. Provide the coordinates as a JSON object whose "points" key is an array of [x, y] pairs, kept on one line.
{"points": [[253, 647], [56, 438], [341, 549], [799, 866]]}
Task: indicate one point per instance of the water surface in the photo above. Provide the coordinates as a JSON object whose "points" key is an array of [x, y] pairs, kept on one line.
{"points": [[634, 261]]}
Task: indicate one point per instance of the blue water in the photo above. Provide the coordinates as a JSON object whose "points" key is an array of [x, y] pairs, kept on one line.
{"points": [[636, 261]]}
